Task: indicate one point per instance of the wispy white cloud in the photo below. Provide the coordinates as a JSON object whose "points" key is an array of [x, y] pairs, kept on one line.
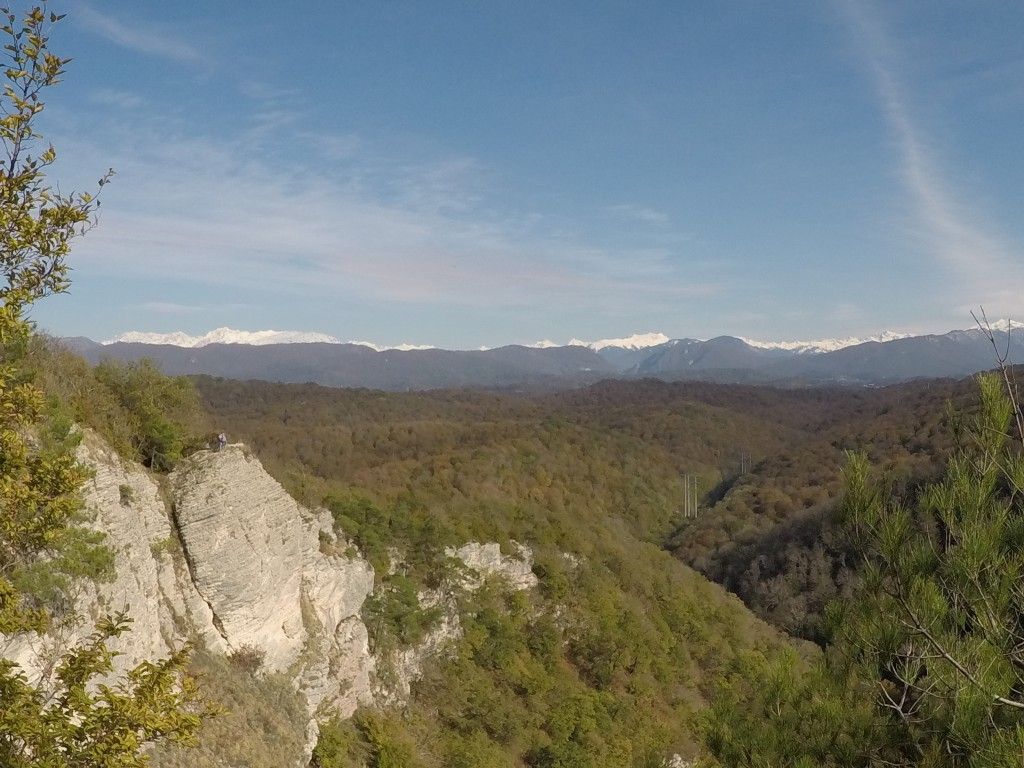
{"points": [[949, 228], [177, 308], [218, 210], [639, 213], [333, 146], [111, 97], [137, 36]]}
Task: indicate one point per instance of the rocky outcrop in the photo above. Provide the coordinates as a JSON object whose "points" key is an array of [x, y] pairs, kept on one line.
{"points": [[398, 672], [269, 572], [487, 560], [218, 552], [338, 670], [482, 561], [243, 540], [123, 501], [221, 554]]}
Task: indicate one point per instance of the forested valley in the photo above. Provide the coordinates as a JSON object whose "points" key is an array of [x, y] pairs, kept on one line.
{"points": [[624, 654], [601, 472], [767, 464]]}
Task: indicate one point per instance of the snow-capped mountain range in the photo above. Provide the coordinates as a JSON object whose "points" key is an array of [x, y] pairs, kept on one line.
{"points": [[825, 345], [301, 356], [253, 338], [637, 341]]}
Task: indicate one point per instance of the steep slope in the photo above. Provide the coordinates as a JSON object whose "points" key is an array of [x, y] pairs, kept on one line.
{"points": [[127, 505], [253, 555], [233, 566], [770, 535]]}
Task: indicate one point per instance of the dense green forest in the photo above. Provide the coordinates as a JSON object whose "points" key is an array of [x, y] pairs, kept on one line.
{"points": [[610, 660], [595, 472], [771, 537], [618, 449]]}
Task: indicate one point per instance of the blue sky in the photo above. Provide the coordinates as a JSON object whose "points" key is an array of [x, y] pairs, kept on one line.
{"points": [[471, 173]]}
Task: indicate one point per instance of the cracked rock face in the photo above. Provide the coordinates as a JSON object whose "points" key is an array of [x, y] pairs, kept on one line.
{"points": [[253, 555], [339, 668], [234, 561], [243, 540], [237, 564]]}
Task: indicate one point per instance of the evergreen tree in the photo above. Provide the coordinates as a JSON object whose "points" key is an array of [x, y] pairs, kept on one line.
{"points": [[933, 639]]}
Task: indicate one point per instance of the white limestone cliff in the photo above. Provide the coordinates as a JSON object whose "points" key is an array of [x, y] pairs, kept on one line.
{"points": [[124, 502], [254, 556], [220, 553], [244, 543], [233, 561]]}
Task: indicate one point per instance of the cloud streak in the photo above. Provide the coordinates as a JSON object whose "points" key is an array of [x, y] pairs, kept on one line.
{"points": [[947, 227], [137, 37]]}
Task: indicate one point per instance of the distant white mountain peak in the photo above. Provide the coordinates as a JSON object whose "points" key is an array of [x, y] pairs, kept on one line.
{"points": [[224, 336], [636, 341], [252, 338], [825, 345], [397, 347]]}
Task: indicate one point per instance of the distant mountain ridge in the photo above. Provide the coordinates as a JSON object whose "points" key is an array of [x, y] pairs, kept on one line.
{"points": [[299, 357], [357, 365], [635, 342]]}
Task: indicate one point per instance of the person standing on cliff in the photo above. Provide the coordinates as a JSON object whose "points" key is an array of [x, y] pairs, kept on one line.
{"points": [[222, 440]]}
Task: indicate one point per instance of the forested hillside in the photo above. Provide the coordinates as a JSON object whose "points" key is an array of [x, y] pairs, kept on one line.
{"points": [[609, 661], [770, 535], [599, 472], [767, 462]]}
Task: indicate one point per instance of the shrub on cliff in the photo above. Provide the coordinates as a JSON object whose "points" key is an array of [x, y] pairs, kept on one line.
{"points": [[163, 411], [140, 411]]}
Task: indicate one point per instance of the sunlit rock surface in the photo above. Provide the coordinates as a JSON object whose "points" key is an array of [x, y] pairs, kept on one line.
{"points": [[219, 552]]}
